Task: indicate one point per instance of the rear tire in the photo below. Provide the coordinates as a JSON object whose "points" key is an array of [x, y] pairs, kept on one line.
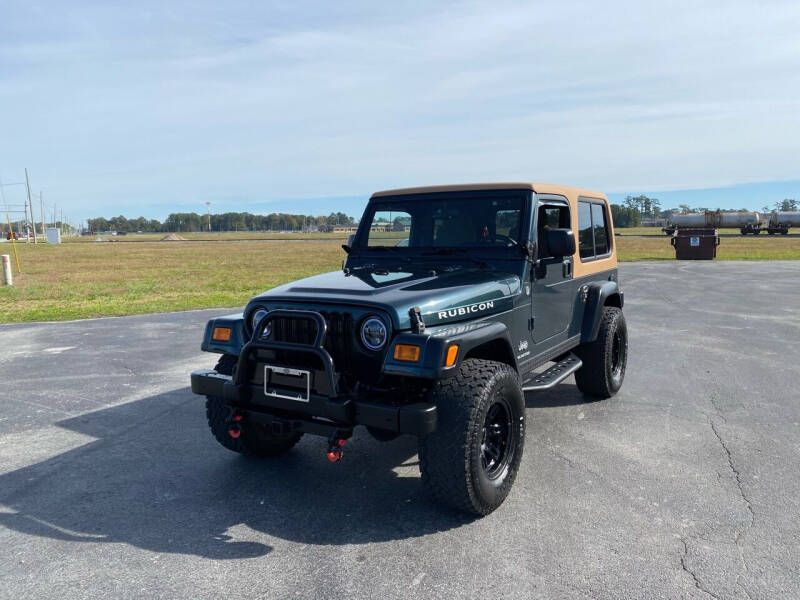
{"points": [[472, 459], [605, 359], [255, 439]]}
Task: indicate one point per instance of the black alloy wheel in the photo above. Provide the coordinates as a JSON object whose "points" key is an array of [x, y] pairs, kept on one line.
{"points": [[495, 437]]}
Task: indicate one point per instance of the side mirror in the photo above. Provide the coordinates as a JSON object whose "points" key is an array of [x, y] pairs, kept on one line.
{"points": [[561, 242], [349, 245]]}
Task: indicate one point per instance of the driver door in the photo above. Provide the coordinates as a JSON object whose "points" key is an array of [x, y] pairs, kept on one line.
{"points": [[552, 276]]}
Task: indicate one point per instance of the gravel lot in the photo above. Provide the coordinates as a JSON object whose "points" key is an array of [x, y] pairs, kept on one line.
{"points": [[685, 485]]}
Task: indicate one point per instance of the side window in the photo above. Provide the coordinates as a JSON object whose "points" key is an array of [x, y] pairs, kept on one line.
{"points": [[550, 216], [585, 237], [600, 229], [592, 230]]}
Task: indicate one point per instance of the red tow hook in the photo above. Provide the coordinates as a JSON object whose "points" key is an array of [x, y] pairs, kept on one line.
{"points": [[335, 449], [235, 429]]}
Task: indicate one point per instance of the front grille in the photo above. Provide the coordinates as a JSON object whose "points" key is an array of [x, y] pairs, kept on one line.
{"points": [[338, 341]]}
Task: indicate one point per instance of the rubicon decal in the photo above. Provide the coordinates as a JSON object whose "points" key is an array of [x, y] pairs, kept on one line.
{"points": [[469, 309]]}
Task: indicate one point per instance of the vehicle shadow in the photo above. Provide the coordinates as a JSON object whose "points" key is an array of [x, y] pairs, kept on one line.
{"points": [[563, 394], [156, 479]]}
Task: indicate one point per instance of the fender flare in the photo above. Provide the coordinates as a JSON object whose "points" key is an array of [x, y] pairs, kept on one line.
{"points": [[598, 295], [236, 341], [434, 346]]}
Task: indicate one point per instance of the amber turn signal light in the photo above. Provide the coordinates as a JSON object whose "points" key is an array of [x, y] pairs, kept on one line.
{"points": [[406, 352], [221, 334], [452, 353]]}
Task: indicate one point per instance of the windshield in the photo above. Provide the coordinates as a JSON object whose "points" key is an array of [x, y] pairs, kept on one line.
{"points": [[485, 221]]}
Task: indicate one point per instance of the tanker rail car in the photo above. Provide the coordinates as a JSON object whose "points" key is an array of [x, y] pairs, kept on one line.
{"points": [[746, 222], [781, 220]]}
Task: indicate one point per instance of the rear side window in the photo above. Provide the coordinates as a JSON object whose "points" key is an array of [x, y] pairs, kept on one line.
{"points": [[593, 239], [600, 229], [585, 236]]}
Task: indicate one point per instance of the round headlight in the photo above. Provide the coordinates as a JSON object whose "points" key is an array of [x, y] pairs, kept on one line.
{"points": [[373, 333], [257, 315]]}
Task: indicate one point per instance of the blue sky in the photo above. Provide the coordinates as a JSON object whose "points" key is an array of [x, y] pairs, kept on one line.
{"points": [[151, 107]]}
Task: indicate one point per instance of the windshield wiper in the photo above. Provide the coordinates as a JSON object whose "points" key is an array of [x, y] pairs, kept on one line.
{"points": [[377, 269]]}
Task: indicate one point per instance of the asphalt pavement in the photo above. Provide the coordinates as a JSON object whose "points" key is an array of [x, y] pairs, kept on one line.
{"points": [[685, 485]]}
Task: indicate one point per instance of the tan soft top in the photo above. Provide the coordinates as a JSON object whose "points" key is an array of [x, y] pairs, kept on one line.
{"points": [[539, 188], [581, 268]]}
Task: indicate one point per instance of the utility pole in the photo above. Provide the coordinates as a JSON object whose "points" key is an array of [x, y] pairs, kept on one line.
{"points": [[208, 210], [41, 211], [25, 227], [30, 203]]}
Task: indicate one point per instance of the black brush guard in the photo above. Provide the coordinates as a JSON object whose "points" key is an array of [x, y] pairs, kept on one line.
{"points": [[278, 405]]}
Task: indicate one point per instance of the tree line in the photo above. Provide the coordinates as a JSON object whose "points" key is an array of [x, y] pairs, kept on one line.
{"points": [[635, 208], [231, 221], [631, 213]]}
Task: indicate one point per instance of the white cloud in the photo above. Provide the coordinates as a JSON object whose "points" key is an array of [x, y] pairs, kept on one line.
{"points": [[119, 106]]}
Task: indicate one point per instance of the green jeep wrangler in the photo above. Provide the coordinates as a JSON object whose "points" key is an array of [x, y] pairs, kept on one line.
{"points": [[453, 302]]}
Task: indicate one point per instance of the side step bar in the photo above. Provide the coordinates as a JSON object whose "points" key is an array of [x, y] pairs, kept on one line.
{"points": [[563, 368]]}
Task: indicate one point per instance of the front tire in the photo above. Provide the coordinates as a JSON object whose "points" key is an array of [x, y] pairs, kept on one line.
{"points": [[605, 359], [472, 459], [255, 439]]}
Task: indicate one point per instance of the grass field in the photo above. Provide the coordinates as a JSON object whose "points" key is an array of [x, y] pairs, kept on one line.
{"points": [[731, 248], [73, 281], [265, 235], [79, 280], [205, 237]]}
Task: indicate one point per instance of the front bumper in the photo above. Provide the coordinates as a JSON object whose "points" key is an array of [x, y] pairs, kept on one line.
{"points": [[324, 411], [321, 415]]}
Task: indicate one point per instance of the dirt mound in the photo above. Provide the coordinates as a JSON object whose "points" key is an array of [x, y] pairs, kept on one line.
{"points": [[173, 237]]}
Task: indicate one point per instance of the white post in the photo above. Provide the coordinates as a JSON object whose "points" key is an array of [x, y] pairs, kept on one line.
{"points": [[7, 270]]}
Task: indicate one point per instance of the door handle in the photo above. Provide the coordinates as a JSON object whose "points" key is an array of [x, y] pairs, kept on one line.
{"points": [[567, 265]]}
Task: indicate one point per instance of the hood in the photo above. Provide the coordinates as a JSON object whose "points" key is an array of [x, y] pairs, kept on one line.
{"points": [[445, 297]]}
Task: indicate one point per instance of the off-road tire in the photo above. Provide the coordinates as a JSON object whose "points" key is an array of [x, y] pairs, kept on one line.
{"points": [[450, 459], [255, 439], [605, 359]]}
